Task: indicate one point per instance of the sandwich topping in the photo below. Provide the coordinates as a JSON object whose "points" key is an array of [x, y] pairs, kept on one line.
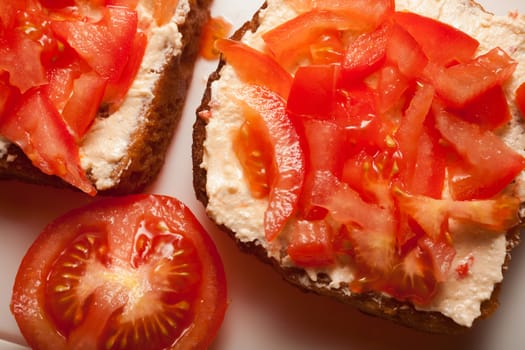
{"points": [[374, 145], [62, 63]]}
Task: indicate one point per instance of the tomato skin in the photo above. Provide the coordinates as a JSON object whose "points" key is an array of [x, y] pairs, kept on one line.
{"points": [[288, 163], [22, 75], [520, 99], [365, 54], [482, 150], [311, 243], [290, 41], [489, 110], [119, 241], [313, 90], [115, 92], [105, 45], [255, 67], [461, 83], [83, 105], [431, 35]]}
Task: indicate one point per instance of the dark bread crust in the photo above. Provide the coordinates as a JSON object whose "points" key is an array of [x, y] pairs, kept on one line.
{"points": [[146, 153], [374, 304]]}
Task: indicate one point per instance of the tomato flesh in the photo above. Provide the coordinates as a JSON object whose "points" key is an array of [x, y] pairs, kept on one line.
{"points": [[255, 67], [288, 158], [123, 273], [520, 98]]}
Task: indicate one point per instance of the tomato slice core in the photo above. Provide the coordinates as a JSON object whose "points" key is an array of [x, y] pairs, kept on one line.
{"points": [[125, 273]]}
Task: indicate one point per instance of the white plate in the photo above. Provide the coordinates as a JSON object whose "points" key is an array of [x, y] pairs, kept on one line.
{"points": [[264, 312]]}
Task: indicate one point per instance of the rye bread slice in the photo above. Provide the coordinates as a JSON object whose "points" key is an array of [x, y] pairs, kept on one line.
{"points": [[371, 303], [146, 152]]}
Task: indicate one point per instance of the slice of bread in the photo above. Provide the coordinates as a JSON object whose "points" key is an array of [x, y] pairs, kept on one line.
{"points": [[220, 186], [124, 150]]}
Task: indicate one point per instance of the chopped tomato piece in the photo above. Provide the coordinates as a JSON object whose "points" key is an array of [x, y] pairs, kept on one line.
{"points": [[83, 105], [323, 150], [367, 14], [106, 45], [441, 43], [463, 269], [132, 272], [313, 90], [391, 88], [412, 278], [255, 67], [410, 131], [371, 228], [365, 54], [290, 41], [462, 83], [288, 163], [520, 99], [490, 110], [327, 49], [20, 57], [116, 90], [355, 111], [498, 214], [481, 149], [311, 243], [38, 129], [404, 51]]}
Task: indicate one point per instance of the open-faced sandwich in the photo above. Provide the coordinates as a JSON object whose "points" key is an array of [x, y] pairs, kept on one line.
{"points": [[91, 91], [371, 151]]}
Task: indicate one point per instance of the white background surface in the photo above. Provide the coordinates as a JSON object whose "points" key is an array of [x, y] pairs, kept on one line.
{"points": [[264, 312]]}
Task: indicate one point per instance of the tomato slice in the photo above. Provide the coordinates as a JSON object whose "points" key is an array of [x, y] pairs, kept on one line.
{"points": [[288, 163], [106, 45], [311, 243], [132, 272], [83, 105], [481, 149], [441, 43], [39, 130], [255, 67]]}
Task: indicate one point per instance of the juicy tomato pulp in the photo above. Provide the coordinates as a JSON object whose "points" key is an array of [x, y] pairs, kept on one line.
{"points": [[75, 57], [134, 272], [390, 112]]}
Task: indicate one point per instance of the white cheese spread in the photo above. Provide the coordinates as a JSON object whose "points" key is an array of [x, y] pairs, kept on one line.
{"points": [[231, 204]]}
